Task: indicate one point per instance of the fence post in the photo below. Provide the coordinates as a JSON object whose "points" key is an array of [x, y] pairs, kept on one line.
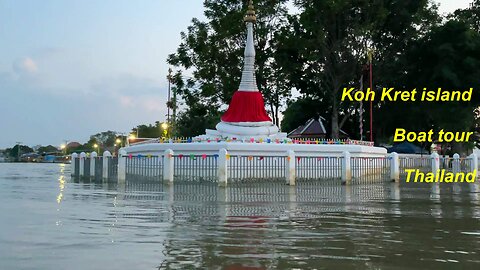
{"points": [[122, 166], [456, 163], [474, 164], [106, 160], [168, 166], [222, 167], [72, 160], [395, 167], [93, 155], [346, 168], [435, 163], [290, 173], [82, 163]]}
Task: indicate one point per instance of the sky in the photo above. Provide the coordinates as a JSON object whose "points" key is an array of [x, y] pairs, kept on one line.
{"points": [[73, 68]]}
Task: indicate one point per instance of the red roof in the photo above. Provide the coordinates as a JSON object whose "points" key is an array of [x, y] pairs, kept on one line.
{"points": [[73, 144]]}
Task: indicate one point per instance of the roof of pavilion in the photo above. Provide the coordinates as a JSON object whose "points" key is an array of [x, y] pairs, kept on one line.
{"points": [[313, 128]]}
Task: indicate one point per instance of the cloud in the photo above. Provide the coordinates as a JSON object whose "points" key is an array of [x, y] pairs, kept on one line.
{"points": [[25, 66], [120, 104], [126, 101], [148, 103]]}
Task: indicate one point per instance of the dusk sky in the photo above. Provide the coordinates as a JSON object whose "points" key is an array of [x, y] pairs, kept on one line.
{"points": [[69, 69]]}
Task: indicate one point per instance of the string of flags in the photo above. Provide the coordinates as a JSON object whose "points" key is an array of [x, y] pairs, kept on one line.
{"points": [[262, 140]]}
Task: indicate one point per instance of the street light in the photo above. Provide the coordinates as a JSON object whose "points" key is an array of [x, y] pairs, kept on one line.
{"points": [[97, 148], [165, 129], [131, 137], [63, 147]]}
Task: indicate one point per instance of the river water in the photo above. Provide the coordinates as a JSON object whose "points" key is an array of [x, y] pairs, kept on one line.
{"points": [[49, 221]]}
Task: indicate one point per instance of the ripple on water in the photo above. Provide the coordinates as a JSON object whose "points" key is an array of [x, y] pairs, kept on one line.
{"points": [[48, 222]]}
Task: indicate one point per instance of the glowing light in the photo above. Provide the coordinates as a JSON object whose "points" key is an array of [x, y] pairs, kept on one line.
{"points": [[132, 137], [164, 125], [118, 141], [62, 146], [95, 146]]}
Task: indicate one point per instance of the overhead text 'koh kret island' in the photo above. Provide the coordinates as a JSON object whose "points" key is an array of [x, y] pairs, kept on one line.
{"points": [[393, 94]]}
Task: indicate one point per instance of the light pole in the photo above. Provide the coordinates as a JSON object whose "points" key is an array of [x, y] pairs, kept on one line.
{"points": [[169, 102]]}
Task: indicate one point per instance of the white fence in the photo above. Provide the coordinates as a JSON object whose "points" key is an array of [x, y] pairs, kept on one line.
{"points": [[223, 168], [91, 166]]}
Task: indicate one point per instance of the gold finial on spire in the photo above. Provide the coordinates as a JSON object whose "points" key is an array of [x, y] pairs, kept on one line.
{"points": [[250, 16]]}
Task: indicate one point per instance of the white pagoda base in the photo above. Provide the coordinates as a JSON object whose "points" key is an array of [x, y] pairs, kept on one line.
{"points": [[257, 149], [243, 133]]}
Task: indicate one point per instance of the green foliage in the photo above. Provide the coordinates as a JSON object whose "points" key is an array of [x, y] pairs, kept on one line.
{"points": [[150, 131], [324, 47], [470, 15], [15, 152], [447, 57], [193, 121], [298, 112], [105, 139]]}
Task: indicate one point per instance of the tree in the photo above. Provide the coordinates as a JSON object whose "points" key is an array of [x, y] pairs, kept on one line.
{"points": [[447, 57], [298, 112], [213, 52], [149, 131], [470, 15], [16, 151], [324, 47], [105, 138], [195, 119]]}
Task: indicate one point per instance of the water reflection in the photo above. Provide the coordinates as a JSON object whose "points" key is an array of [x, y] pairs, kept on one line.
{"points": [[274, 226], [146, 224]]}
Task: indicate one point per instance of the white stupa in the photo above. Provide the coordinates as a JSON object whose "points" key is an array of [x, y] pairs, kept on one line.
{"points": [[246, 117]]}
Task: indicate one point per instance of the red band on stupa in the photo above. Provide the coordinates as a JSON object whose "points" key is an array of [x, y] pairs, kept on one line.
{"points": [[246, 106]]}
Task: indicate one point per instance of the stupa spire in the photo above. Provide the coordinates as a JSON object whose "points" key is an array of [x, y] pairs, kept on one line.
{"points": [[246, 113], [250, 16], [249, 81]]}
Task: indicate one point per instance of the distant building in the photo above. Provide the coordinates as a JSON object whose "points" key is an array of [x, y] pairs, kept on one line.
{"points": [[313, 129]]}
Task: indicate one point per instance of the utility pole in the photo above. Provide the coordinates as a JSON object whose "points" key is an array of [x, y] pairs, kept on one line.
{"points": [[370, 58], [18, 151], [169, 102], [360, 109], [174, 109]]}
